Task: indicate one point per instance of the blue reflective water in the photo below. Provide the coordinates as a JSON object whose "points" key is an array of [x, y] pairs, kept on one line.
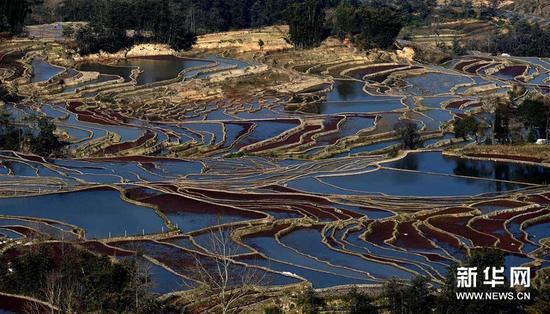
{"points": [[434, 83], [43, 71], [160, 68], [394, 182], [97, 211], [438, 163], [266, 129], [309, 241], [372, 106], [121, 71], [271, 248]]}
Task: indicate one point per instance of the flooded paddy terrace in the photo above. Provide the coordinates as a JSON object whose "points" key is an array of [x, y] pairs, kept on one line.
{"points": [[301, 182]]}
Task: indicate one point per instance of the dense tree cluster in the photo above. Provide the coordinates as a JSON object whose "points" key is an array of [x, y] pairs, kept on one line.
{"points": [[535, 116], [520, 38], [77, 281], [37, 137], [511, 121], [13, 14], [306, 22], [417, 296], [413, 12], [523, 39], [199, 16], [447, 301], [368, 25], [117, 24], [466, 127], [114, 25], [175, 22]]}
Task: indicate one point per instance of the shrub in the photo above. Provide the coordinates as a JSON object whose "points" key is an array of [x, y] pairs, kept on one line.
{"points": [[273, 310]]}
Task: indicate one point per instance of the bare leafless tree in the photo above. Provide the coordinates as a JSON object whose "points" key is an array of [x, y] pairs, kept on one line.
{"points": [[226, 282], [142, 281], [31, 307], [59, 291]]}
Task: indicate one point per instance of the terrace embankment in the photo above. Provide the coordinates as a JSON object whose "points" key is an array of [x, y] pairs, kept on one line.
{"points": [[526, 153]]}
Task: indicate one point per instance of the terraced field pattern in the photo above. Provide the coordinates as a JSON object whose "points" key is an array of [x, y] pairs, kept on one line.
{"points": [[303, 182]]}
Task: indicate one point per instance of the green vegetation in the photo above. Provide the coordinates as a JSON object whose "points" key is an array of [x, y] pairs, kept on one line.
{"points": [[378, 28], [359, 303], [480, 258], [513, 121], [409, 134], [309, 302], [235, 155], [200, 16], [76, 280], [273, 310], [306, 21], [467, 126], [150, 21], [368, 26], [414, 298], [521, 38], [417, 296], [118, 24], [175, 22], [38, 138], [46, 142], [12, 15], [535, 115]]}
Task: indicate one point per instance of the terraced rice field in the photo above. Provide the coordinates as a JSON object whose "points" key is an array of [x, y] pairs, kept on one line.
{"points": [[300, 182]]}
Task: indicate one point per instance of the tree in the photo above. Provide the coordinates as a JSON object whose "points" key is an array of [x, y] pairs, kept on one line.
{"points": [[46, 142], [181, 38], [480, 259], [535, 116], [68, 31], [10, 137], [359, 303], [522, 38], [542, 294], [273, 310], [151, 21], [493, 7], [409, 135], [394, 294], [306, 22], [5, 117], [75, 280], [309, 302], [13, 137], [378, 28], [503, 115], [344, 19], [414, 297], [419, 297], [13, 14], [490, 105], [258, 15], [467, 126], [222, 279]]}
